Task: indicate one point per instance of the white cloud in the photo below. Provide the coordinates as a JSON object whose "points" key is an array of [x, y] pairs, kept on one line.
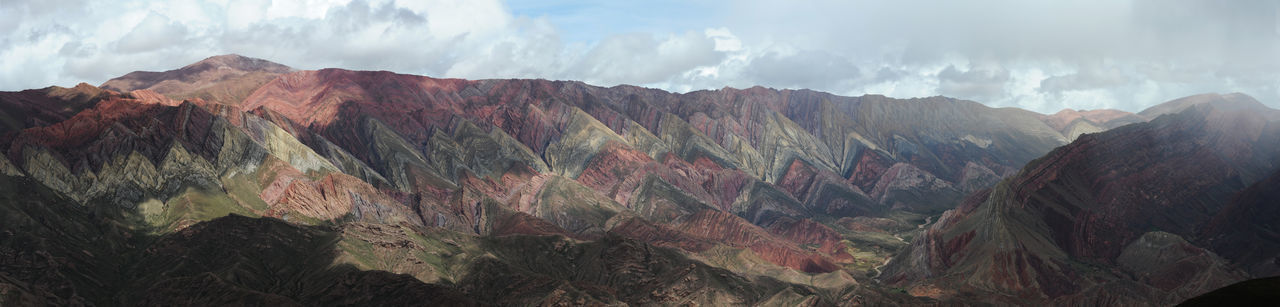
{"points": [[981, 83], [1037, 55], [802, 69], [1086, 78], [641, 58], [449, 18], [154, 32]]}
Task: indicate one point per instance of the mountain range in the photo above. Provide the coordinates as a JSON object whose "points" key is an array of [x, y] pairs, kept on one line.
{"points": [[236, 180]]}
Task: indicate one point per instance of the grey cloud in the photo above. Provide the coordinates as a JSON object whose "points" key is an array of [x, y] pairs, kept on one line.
{"points": [[357, 15], [42, 33], [1174, 73], [978, 83], [355, 36], [154, 32], [1086, 79], [640, 58], [360, 35], [105, 65], [537, 55], [76, 49], [806, 69], [885, 74], [15, 12], [1219, 44]]}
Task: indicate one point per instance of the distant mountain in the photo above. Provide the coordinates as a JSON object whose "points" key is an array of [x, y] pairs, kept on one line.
{"points": [[1134, 214], [1073, 123], [1222, 101], [224, 79]]}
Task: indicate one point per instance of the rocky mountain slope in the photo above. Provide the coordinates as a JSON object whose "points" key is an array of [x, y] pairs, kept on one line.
{"points": [[382, 188], [1134, 215]]}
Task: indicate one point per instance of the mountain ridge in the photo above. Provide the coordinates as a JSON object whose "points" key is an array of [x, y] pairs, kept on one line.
{"points": [[1091, 204], [803, 196]]}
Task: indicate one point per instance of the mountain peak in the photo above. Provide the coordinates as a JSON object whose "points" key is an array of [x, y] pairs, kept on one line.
{"points": [[224, 78], [238, 62], [1230, 101]]}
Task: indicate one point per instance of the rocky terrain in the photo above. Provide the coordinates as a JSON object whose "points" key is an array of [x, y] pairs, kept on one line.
{"points": [[1135, 215], [240, 181]]}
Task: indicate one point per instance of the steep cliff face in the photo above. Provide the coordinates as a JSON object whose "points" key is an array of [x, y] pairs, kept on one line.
{"points": [[1061, 229]]}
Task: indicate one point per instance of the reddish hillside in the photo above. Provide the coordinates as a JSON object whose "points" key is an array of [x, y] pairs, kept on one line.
{"points": [[223, 79], [746, 196]]}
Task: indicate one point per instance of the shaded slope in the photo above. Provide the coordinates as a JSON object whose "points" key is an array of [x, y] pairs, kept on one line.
{"points": [[56, 252], [1071, 226], [42, 107], [209, 263], [1245, 231], [610, 270], [59, 252], [1255, 292]]}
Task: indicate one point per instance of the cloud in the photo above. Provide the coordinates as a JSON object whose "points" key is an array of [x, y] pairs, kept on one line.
{"points": [[1109, 48], [442, 38], [804, 69], [1043, 56], [1088, 78], [977, 83], [533, 49], [641, 58], [154, 32], [358, 35]]}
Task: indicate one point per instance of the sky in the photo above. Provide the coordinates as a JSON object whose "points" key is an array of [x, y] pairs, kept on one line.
{"points": [[1042, 56]]}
